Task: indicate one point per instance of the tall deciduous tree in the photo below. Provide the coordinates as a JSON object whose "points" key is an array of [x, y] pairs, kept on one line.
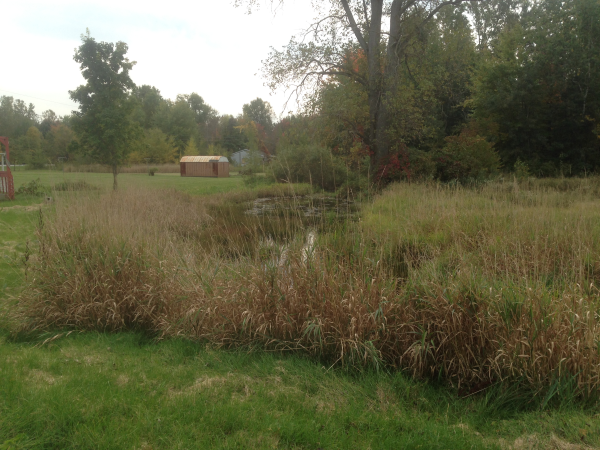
{"points": [[347, 25], [15, 117], [538, 95], [232, 137], [149, 101], [203, 112], [182, 124], [103, 123], [260, 112]]}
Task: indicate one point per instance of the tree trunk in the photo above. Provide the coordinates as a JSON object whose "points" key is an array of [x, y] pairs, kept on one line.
{"points": [[379, 107], [375, 79], [115, 173]]}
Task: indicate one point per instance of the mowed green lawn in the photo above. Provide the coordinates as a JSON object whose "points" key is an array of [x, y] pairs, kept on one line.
{"points": [[128, 391], [124, 391], [191, 185], [17, 232]]}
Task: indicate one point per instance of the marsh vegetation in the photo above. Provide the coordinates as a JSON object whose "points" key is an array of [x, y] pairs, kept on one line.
{"points": [[469, 312], [473, 286]]}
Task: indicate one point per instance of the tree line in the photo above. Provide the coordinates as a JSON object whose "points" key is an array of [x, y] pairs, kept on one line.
{"points": [[450, 89], [447, 90], [159, 130]]}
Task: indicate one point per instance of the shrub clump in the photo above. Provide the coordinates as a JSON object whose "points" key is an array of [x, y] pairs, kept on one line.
{"points": [[34, 187], [467, 156], [253, 180], [311, 164], [79, 185]]}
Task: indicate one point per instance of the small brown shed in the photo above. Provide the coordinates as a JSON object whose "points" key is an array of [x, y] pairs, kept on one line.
{"points": [[204, 166]]}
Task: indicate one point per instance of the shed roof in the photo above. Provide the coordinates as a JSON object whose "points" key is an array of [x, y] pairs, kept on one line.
{"points": [[204, 159]]}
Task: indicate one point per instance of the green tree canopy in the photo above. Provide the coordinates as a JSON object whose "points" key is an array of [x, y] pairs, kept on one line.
{"points": [[203, 112], [15, 117], [260, 112], [232, 136], [538, 94], [148, 100], [103, 123], [181, 124], [357, 26], [154, 147]]}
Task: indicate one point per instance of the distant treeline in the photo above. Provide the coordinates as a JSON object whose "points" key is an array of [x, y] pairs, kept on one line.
{"points": [[166, 130], [509, 85]]}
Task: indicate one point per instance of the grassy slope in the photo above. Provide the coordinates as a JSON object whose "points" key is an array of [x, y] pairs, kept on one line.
{"points": [[122, 391]]}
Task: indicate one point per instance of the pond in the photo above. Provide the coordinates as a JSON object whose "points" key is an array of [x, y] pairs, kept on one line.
{"points": [[304, 207], [303, 217]]}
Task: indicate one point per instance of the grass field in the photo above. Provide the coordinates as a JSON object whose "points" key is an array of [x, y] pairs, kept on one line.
{"points": [[17, 222], [123, 391], [128, 389], [195, 186]]}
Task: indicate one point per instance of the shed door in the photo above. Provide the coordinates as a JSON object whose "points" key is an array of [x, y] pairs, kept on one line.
{"points": [[215, 169], [182, 168]]}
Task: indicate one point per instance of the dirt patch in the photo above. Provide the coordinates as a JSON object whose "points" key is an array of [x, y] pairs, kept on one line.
{"points": [[325, 407], [92, 359], [122, 380], [199, 385], [242, 396], [26, 208], [533, 442], [40, 377], [385, 398]]}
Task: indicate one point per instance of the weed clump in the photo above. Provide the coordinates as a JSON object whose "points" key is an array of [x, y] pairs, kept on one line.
{"points": [[34, 187], [79, 185]]}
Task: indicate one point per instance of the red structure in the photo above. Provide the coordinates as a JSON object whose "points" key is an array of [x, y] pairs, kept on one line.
{"points": [[7, 185]]}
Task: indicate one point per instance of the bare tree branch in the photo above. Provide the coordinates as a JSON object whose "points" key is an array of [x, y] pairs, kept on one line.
{"points": [[448, 3], [315, 26], [408, 5], [366, 13], [357, 33]]}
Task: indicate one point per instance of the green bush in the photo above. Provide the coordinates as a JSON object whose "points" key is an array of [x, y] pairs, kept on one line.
{"points": [[521, 169], [254, 180], [422, 164], [309, 164], [466, 157], [34, 187], [253, 163], [79, 185]]}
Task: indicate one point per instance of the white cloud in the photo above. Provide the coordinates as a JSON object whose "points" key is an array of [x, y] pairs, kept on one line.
{"points": [[208, 47]]}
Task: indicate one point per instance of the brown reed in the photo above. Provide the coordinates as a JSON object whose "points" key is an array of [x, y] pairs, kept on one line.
{"points": [[470, 285]]}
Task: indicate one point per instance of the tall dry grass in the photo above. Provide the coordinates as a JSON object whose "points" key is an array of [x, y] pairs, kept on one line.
{"points": [[474, 286]]}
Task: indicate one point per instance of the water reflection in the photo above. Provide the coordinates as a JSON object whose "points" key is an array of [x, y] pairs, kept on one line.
{"points": [[307, 206], [278, 253]]}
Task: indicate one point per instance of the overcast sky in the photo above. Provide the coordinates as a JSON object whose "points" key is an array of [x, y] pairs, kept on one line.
{"points": [[206, 46]]}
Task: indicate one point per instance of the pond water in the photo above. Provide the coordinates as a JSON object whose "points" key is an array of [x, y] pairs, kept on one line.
{"points": [[305, 206], [312, 215]]}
